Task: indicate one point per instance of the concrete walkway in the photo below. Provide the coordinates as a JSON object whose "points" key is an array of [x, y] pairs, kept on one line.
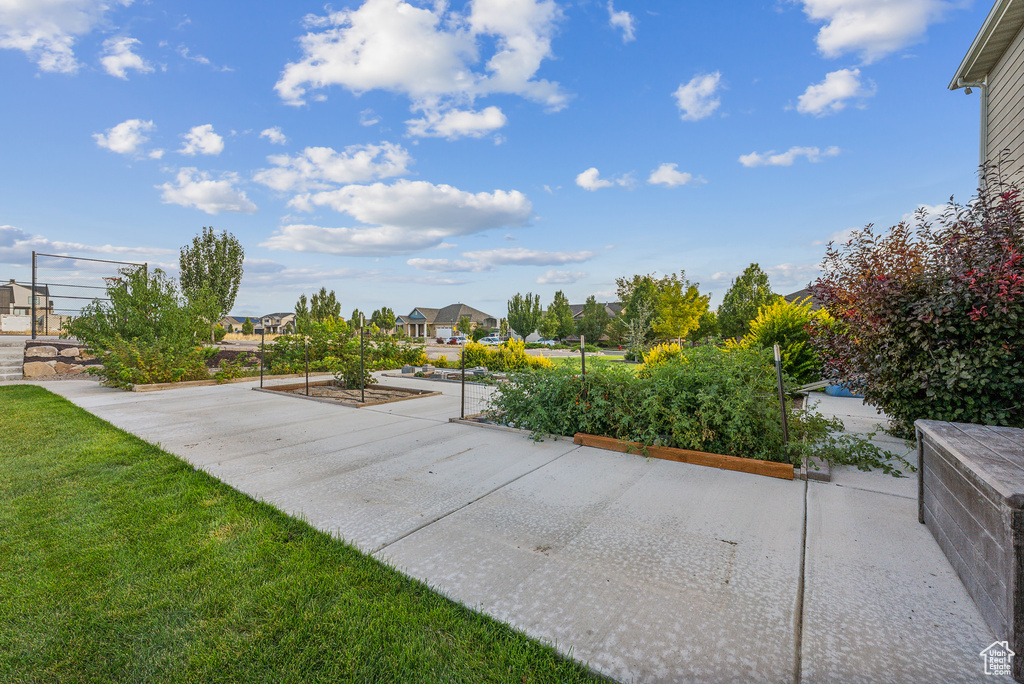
{"points": [[649, 571]]}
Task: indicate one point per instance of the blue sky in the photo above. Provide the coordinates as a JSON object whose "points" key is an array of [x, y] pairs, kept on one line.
{"points": [[423, 153]]}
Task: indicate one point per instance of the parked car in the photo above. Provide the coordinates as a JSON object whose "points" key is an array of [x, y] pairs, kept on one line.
{"points": [[546, 342], [491, 341], [457, 339]]}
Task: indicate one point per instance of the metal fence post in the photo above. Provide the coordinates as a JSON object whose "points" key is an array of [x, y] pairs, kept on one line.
{"points": [[362, 361], [305, 344], [583, 355], [782, 402], [462, 410], [32, 294], [263, 353]]}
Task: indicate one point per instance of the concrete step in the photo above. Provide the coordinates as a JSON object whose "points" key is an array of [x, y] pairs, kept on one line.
{"points": [[4, 377]]}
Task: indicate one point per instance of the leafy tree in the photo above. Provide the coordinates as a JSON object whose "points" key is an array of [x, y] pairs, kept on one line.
{"points": [[558, 321], [357, 319], [247, 326], [745, 297], [383, 318], [324, 306], [593, 321], [679, 307], [503, 327], [524, 314], [707, 326], [211, 270], [639, 297], [302, 315], [465, 326]]}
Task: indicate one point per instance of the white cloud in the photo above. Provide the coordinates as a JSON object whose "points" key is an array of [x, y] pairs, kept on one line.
{"points": [[46, 30], [200, 59], [812, 154], [423, 205], [553, 277], [925, 213], [202, 140], [428, 53], [195, 189], [118, 57], [486, 260], [591, 180], [368, 117], [872, 28], [457, 123], [696, 99], [315, 167], [274, 135], [669, 176], [622, 21], [127, 137], [404, 217], [830, 96], [520, 256], [17, 245], [449, 265]]}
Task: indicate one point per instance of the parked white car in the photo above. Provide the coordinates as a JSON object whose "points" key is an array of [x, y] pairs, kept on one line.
{"points": [[491, 341], [546, 343]]}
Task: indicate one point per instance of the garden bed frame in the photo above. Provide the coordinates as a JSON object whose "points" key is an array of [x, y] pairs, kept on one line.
{"points": [[754, 466], [290, 388]]}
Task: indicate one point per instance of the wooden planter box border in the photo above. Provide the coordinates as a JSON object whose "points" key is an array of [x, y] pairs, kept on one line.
{"points": [[754, 466]]}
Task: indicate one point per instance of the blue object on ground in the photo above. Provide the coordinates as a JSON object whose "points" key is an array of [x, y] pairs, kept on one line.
{"points": [[841, 391]]}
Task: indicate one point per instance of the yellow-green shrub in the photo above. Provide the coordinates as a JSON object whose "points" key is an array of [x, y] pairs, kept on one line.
{"points": [[786, 324], [510, 356]]}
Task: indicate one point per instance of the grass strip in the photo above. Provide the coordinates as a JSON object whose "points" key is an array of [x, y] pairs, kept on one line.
{"points": [[121, 563]]}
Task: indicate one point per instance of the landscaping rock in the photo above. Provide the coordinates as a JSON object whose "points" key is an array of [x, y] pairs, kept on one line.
{"points": [[71, 352], [41, 351], [67, 368], [38, 369]]}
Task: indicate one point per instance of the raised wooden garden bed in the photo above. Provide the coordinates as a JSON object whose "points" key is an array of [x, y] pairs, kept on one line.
{"points": [[329, 392], [782, 471]]}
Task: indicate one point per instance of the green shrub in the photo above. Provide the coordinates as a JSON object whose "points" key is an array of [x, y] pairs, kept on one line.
{"points": [[219, 332], [238, 367], [929, 318], [713, 400], [510, 356], [787, 324], [143, 332]]}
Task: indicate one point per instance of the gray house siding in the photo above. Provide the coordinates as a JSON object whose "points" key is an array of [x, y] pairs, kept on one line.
{"points": [[1004, 110]]}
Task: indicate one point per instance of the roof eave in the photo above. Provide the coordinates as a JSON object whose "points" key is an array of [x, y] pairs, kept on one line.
{"points": [[965, 74]]}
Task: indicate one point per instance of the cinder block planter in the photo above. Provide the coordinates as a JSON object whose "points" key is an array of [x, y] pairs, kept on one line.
{"points": [[971, 497]]}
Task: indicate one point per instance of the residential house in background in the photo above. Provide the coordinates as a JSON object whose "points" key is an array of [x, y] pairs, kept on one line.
{"points": [[424, 322], [275, 323], [995, 66], [15, 299], [235, 323]]}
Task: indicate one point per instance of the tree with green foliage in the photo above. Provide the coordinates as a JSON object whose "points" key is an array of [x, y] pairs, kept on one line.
{"points": [[744, 299], [593, 321], [247, 326], [143, 331], [639, 295], [557, 321], [324, 306], [464, 326], [358, 319], [707, 326], [383, 318], [302, 315], [503, 327], [211, 271], [524, 314], [679, 306]]}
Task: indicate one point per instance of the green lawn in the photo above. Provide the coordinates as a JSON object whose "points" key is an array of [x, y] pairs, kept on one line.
{"points": [[592, 361], [119, 562]]}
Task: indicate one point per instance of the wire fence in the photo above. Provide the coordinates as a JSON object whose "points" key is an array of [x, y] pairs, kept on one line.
{"points": [[53, 301]]}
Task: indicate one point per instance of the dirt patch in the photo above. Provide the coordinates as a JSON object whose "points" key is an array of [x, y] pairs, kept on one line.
{"points": [[328, 391]]}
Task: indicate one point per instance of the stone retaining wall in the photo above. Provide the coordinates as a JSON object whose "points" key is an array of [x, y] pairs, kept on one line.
{"points": [[53, 359]]}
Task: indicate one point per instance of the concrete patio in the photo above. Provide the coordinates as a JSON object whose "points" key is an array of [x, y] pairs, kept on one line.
{"points": [[650, 571]]}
